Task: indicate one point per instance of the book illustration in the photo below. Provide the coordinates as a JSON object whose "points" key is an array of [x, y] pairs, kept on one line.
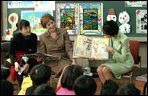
{"points": [[98, 48], [83, 48], [142, 78], [88, 47]]}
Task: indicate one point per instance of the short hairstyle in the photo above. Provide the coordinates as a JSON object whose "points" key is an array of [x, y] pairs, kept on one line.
{"points": [[32, 62], [6, 88], [85, 85], [44, 89], [71, 73], [23, 23], [110, 28], [128, 89], [40, 74], [109, 88], [5, 72], [45, 19]]}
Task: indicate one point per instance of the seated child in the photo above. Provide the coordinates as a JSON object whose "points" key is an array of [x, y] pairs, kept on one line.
{"points": [[44, 89], [109, 88], [39, 74], [6, 88], [85, 85], [128, 89], [66, 81]]}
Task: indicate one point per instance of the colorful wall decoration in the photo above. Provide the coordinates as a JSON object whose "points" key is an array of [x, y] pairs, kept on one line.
{"points": [[67, 17], [38, 5], [34, 18], [91, 18], [141, 21]]}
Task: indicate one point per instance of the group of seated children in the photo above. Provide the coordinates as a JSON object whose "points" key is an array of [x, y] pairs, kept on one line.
{"points": [[71, 82]]}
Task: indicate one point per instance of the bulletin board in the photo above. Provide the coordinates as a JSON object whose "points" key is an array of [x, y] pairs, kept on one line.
{"points": [[106, 6]]}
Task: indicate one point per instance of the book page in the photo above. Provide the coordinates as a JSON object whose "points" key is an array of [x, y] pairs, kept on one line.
{"points": [[83, 46], [98, 48]]}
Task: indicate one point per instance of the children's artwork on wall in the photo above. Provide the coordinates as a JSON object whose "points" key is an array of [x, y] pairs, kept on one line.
{"points": [[91, 18], [20, 4], [67, 17], [124, 19], [141, 21], [111, 15], [135, 3], [34, 18], [12, 19], [46, 5]]}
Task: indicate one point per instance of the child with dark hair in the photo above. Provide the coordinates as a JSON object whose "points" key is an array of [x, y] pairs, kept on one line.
{"points": [[128, 89], [5, 72], [85, 85], [66, 81], [27, 82], [39, 74], [24, 42], [44, 89], [6, 88], [109, 88]]}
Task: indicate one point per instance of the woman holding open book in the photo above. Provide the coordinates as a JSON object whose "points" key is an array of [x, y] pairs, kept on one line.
{"points": [[55, 41], [121, 60]]}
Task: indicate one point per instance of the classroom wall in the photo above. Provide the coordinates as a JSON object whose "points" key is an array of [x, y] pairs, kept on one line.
{"points": [[106, 5]]}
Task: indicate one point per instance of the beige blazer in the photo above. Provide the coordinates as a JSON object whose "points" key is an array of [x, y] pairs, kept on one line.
{"points": [[61, 46]]}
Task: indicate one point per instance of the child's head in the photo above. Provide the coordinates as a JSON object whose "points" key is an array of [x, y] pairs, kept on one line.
{"points": [[71, 73], [44, 89], [6, 88], [128, 89], [5, 72], [32, 62], [24, 27], [109, 88], [85, 85], [40, 74]]}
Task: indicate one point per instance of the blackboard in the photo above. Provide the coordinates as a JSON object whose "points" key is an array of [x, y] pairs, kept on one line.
{"points": [[119, 6]]}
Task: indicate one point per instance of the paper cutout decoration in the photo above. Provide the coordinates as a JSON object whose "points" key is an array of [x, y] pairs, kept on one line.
{"points": [[111, 15], [124, 19], [141, 21], [13, 19]]}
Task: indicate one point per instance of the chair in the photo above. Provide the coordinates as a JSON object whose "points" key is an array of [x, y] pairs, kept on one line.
{"points": [[134, 48]]}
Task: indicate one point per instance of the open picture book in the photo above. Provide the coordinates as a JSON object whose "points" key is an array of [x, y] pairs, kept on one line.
{"points": [[91, 47], [39, 54]]}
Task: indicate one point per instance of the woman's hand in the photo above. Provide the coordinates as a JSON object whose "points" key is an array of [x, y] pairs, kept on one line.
{"points": [[17, 66], [26, 67], [74, 61], [40, 58], [109, 49], [92, 58]]}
